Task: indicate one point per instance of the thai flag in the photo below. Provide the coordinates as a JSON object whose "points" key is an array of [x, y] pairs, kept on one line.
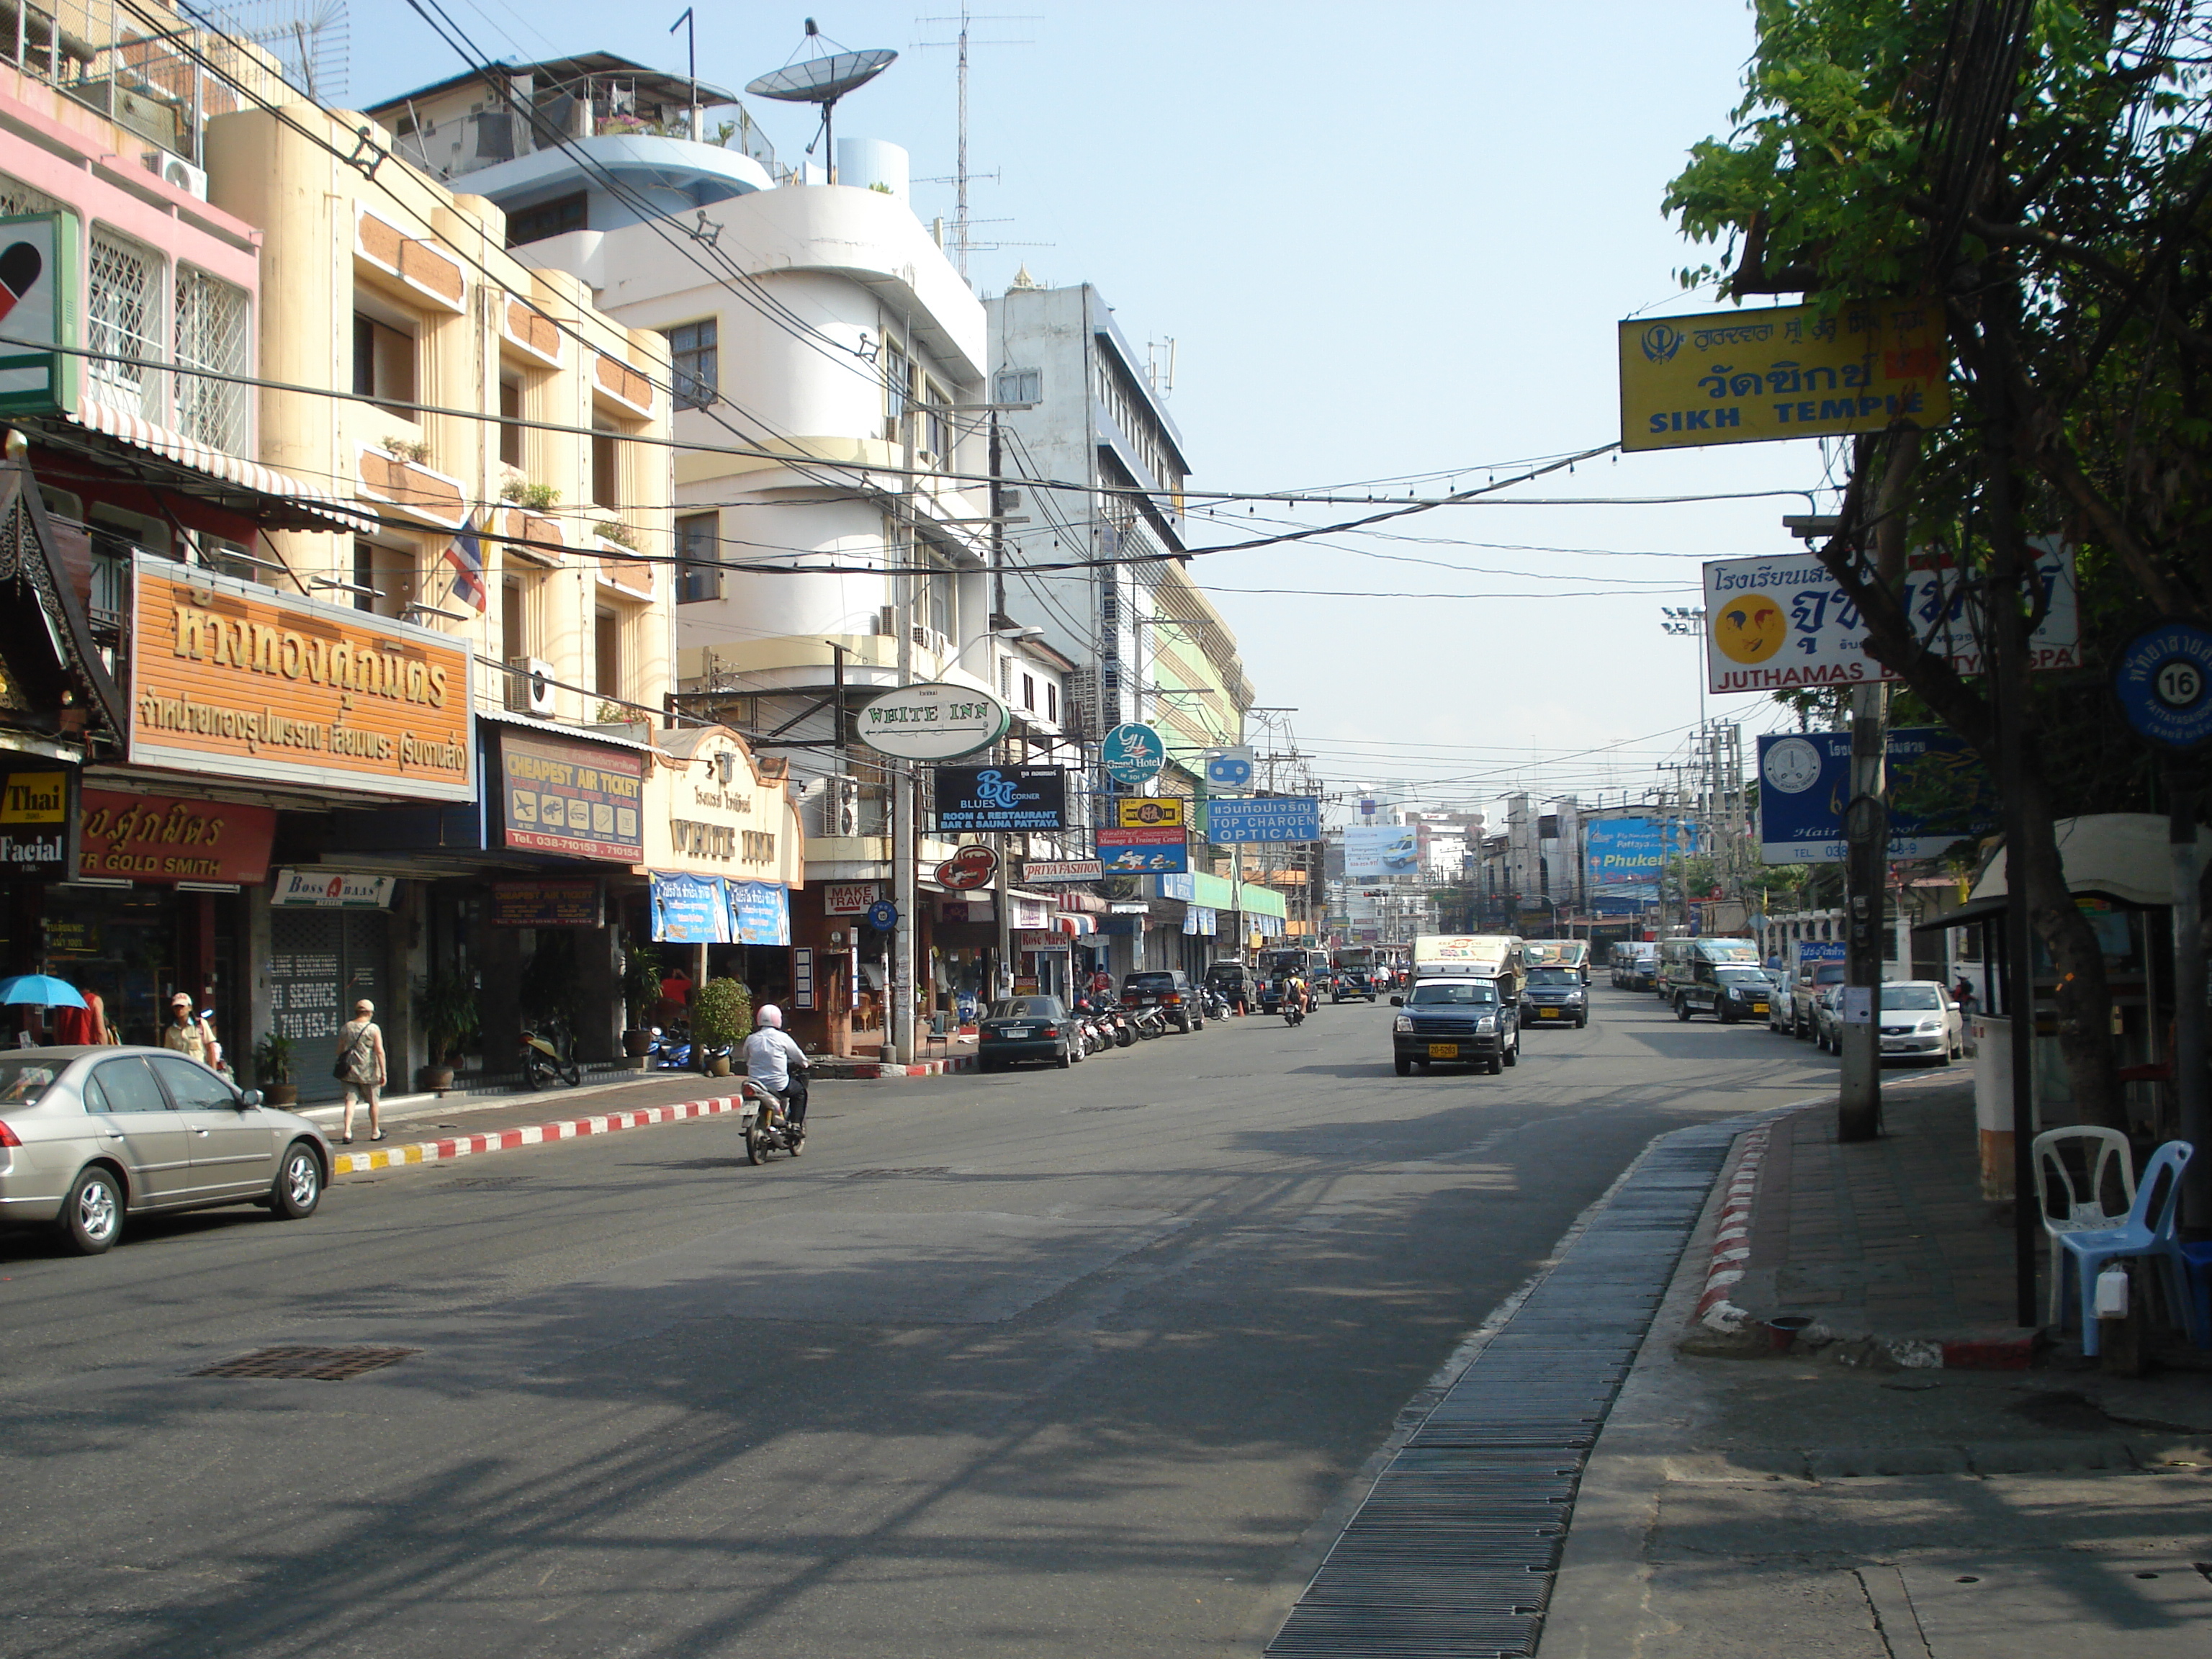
{"points": [[465, 554]]}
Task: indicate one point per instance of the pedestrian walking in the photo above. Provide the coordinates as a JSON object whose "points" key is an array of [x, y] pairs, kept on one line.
{"points": [[82, 1027], [191, 1034], [360, 1068]]}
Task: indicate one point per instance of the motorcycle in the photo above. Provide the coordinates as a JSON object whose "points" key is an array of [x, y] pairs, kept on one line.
{"points": [[550, 1056], [765, 1125], [1124, 1028], [1150, 1021], [1294, 1011], [1217, 1004]]}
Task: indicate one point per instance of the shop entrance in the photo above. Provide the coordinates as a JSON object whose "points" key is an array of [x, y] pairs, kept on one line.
{"points": [[320, 964]]}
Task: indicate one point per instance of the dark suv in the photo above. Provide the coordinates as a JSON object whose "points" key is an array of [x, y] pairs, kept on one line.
{"points": [[1169, 987]]}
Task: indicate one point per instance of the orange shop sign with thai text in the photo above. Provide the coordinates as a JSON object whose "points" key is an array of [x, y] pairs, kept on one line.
{"points": [[240, 681]]}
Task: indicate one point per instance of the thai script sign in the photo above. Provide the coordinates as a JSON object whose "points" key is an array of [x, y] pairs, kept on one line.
{"points": [[988, 800], [690, 909], [240, 681], [331, 890], [159, 838], [1145, 811], [1740, 377], [760, 913], [933, 722], [1939, 792], [1271, 817], [1143, 851], [574, 902], [38, 811], [1774, 623], [572, 797]]}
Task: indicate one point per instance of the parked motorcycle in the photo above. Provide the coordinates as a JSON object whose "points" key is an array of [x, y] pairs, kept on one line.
{"points": [[1217, 1005], [767, 1129], [1151, 1020], [549, 1055], [1124, 1027]]}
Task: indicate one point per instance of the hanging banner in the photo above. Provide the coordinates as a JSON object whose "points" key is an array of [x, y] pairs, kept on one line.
{"points": [[39, 808], [760, 913], [1749, 376], [690, 909], [578, 799], [1774, 623], [1000, 800], [1263, 818], [1939, 790]]}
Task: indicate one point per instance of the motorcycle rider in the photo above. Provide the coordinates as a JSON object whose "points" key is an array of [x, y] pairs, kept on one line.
{"points": [[778, 1064], [1295, 995]]}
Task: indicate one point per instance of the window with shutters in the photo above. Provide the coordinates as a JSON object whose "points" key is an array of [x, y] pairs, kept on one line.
{"points": [[698, 542], [123, 320], [212, 323]]}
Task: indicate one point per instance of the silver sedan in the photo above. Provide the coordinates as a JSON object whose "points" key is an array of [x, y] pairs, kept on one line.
{"points": [[90, 1135]]}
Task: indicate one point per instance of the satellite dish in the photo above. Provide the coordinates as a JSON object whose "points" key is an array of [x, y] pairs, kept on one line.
{"points": [[822, 81]]}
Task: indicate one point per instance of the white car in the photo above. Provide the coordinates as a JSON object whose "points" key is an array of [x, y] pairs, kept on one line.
{"points": [[1919, 1021]]}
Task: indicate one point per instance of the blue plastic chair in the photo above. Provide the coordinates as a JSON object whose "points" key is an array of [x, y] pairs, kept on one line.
{"points": [[2148, 1233]]}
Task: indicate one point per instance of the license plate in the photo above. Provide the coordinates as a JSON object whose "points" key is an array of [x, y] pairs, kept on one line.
{"points": [[1443, 1051], [1015, 1032], [1758, 1007], [1547, 1013]]}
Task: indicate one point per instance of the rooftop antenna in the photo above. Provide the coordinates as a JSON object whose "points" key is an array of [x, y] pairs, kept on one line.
{"points": [[822, 79], [961, 176]]}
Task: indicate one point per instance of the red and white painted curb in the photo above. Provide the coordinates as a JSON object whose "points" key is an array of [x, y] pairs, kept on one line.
{"points": [[534, 1134], [1732, 1234], [870, 1070]]}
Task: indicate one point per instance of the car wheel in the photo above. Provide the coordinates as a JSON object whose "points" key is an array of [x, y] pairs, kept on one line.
{"points": [[91, 1215], [1512, 1056], [1722, 1013], [299, 1186], [1583, 1021], [1405, 1066], [1060, 1060], [1682, 1010]]}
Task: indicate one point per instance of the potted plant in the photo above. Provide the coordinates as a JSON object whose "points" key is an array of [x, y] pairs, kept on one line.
{"points": [[643, 970], [447, 1006], [272, 1070], [721, 1018]]}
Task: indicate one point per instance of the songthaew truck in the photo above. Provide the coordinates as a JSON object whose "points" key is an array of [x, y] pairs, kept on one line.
{"points": [[1461, 1005], [1558, 953]]}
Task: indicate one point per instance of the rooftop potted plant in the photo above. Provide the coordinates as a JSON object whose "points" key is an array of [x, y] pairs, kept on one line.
{"points": [[721, 1018], [447, 1006], [272, 1069]]}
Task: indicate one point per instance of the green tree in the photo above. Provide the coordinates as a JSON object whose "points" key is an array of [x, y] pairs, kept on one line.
{"points": [[2040, 170]]}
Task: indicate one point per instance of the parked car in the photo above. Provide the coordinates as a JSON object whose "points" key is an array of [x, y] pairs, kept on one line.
{"points": [[1827, 1018], [1554, 996], [1025, 1028], [1791, 1011], [1235, 983], [1170, 989], [1919, 1021], [89, 1137], [1728, 991]]}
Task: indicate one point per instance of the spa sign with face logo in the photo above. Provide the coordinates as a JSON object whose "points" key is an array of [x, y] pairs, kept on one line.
{"points": [[39, 288]]}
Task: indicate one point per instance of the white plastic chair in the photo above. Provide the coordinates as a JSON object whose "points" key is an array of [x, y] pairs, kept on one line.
{"points": [[2080, 1210]]}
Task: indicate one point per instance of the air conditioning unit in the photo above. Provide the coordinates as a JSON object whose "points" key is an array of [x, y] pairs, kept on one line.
{"points": [[841, 806], [175, 170], [529, 686]]}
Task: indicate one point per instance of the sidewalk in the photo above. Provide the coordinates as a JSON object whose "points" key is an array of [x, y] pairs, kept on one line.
{"points": [[1875, 1508]]}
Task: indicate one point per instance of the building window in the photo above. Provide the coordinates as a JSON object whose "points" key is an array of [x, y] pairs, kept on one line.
{"points": [[1052, 702], [383, 364], [898, 392], [698, 537], [1029, 691], [211, 335], [514, 620], [937, 421], [510, 419], [553, 218], [607, 466], [123, 307], [693, 351], [606, 652], [1020, 385]]}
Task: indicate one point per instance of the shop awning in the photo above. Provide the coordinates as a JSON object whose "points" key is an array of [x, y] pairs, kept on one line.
{"points": [[2119, 856], [1077, 926], [272, 498]]}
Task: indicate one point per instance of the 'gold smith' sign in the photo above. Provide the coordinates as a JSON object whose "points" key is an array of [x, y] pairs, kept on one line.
{"points": [[1743, 377], [235, 680]]}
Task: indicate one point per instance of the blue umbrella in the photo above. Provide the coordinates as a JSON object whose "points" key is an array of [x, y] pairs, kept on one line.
{"points": [[40, 991]]}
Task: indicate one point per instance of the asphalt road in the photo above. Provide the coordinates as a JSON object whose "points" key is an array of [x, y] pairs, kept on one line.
{"points": [[1049, 1362]]}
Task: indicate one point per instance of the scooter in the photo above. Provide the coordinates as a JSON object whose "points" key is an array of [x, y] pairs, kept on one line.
{"points": [[1124, 1028], [766, 1127], [1294, 1011], [549, 1057], [1150, 1021]]}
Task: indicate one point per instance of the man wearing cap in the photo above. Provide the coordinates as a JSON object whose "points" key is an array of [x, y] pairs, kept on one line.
{"points": [[361, 1066], [188, 1034], [778, 1064]]}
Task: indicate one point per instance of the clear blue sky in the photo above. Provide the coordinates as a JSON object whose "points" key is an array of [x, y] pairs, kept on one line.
{"points": [[1388, 241]]}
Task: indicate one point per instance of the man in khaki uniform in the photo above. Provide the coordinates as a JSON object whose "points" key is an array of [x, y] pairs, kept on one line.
{"points": [[361, 1066]]}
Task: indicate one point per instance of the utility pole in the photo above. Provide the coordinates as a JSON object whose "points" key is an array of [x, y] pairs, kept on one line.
{"points": [[1866, 865], [904, 849]]}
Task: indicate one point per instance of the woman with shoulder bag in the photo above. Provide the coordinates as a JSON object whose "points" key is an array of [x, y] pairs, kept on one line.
{"points": [[360, 1068]]}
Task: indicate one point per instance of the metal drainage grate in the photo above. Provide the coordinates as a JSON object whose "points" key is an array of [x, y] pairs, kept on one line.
{"points": [[315, 1364], [895, 1175]]}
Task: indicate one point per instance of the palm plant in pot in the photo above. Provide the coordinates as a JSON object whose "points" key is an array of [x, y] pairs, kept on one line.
{"points": [[272, 1069], [640, 985], [721, 1018], [446, 1007]]}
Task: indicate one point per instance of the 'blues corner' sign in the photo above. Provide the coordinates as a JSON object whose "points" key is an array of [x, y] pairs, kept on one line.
{"points": [[987, 799]]}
